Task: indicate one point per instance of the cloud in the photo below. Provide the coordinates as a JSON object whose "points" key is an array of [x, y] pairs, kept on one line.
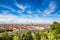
{"points": [[19, 11], [9, 19], [21, 6], [12, 10], [6, 18], [8, 8], [39, 11], [30, 12], [33, 12], [50, 9], [5, 12]]}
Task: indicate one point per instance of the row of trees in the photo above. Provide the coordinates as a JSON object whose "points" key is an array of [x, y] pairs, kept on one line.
{"points": [[52, 34]]}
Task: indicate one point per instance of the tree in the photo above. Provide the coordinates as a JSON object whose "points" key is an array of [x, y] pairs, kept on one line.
{"points": [[5, 36], [54, 31], [36, 36], [15, 37], [26, 36], [44, 35]]}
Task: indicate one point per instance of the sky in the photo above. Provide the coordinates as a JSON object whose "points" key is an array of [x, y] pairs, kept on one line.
{"points": [[27, 11]]}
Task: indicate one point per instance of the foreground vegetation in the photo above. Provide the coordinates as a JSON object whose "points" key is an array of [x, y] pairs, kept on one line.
{"points": [[52, 34]]}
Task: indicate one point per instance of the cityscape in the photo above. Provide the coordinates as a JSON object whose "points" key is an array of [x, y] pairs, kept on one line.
{"points": [[29, 20], [24, 27]]}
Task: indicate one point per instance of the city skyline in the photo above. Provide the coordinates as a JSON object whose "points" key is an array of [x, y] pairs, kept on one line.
{"points": [[27, 11]]}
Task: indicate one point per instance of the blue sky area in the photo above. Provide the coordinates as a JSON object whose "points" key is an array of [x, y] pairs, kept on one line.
{"points": [[27, 11]]}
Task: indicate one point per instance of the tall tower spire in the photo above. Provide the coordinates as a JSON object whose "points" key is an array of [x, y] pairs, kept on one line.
{"points": [[31, 23]]}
